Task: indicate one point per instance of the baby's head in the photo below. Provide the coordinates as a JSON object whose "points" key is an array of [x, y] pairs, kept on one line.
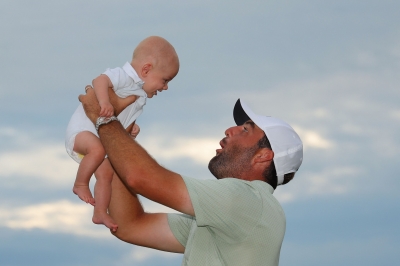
{"points": [[156, 63]]}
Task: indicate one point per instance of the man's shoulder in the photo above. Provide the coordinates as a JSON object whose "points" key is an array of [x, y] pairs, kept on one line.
{"points": [[227, 187]]}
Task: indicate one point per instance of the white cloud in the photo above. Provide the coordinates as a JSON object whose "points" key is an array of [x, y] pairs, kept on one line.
{"points": [[395, 114], [15, 135], [365, 59], [56, 217], [45, 161], [74, 218], [312, 139], [330, 181], [49, 162], [62, 216], [352, 129], [200, 150], [154, 207], [321, 112]]}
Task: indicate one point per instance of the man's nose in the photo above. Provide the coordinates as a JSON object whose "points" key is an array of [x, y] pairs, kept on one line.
{"points": [[232, 131]]}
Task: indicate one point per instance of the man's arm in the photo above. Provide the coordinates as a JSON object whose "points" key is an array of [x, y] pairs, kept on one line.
{"points": [[137, 227], [141, 174], [134, 166]]}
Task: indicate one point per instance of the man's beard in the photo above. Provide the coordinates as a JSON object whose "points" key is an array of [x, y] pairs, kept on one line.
{"points": [[232, 162]]}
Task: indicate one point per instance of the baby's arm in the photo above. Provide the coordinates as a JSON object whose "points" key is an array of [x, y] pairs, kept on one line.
{"points": [[135, 131], [101, 84]]}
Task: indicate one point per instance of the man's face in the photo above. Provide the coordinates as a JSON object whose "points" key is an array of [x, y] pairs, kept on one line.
{"points": [[237, 150]]}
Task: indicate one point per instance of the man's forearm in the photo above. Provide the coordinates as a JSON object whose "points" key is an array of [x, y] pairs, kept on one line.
{"points": [[125, 208], [137, 227], [129, 159], [135, 167]]}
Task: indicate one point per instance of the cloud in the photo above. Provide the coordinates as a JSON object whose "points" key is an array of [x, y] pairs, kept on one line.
{"points": [[365, 59], [48, 162], [15, 136], [325, 183], [65, 217], [395, 114], [57, 217], [198, 149], [62, 216], [312, 139]]}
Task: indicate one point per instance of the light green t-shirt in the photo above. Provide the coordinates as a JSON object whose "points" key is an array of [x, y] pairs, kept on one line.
{"points": [[236, 223]]}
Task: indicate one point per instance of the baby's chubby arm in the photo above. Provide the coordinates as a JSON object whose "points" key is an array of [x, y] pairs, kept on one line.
{"points": [[101, 84], [133, 130]]}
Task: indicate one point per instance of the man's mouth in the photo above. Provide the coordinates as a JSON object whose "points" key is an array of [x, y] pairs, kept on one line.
{"points": [[221, 143]]}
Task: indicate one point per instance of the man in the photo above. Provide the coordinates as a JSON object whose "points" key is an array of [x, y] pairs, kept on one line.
{"points": [[234, 220]]}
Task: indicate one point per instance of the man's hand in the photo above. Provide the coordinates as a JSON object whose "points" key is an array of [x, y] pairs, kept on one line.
{"points": [[92, 107], [90, 104]]}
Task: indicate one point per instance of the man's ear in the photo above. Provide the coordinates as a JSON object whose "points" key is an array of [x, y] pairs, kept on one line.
{"points": [[263, 155], [146, 69]]}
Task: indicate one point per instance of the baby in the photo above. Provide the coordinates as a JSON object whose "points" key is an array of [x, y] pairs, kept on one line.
{"points": [[154, 64]]}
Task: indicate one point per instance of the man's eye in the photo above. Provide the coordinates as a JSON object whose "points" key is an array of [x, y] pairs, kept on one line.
{"points": [[245, 129]]}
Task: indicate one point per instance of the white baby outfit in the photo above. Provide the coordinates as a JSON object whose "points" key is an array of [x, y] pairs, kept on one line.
{"points": [[125, 82]]}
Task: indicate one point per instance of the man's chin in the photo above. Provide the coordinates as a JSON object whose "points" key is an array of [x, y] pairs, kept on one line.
{"points": [[212, 166]]}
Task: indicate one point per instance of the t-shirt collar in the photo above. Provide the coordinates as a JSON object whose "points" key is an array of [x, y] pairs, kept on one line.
{"points": [[132, 73]]}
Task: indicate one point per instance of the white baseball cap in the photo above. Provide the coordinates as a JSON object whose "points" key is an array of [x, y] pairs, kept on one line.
{"points": [[285, 143]]}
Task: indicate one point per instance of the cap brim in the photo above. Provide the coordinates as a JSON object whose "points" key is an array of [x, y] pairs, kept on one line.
{"points": [[239, 115]]}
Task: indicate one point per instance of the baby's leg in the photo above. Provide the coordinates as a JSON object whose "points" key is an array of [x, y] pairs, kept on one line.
{"points": [[86, 143], [102, 195]]}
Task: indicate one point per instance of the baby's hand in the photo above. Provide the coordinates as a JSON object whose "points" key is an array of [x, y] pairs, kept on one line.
{"points": [[135, 131], [107, 109]]}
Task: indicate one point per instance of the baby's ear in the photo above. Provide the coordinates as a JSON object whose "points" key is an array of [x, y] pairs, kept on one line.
{"points": [[146, 69]]}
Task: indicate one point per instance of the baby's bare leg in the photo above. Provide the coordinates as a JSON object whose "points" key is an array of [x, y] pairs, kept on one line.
{"points": [[102, 195], [87, 144]]}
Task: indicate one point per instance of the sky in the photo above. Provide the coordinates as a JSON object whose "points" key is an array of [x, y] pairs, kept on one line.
{"points": [[328, 68]]}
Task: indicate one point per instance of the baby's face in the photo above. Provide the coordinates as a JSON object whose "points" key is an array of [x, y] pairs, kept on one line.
{"points": [[157, 80]]}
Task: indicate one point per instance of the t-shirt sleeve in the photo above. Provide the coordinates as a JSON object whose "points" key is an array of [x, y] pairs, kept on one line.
{"points": [[180, 225], [230, 207], [118, 78]]}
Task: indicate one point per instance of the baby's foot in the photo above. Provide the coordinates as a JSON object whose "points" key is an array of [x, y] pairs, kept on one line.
{"points": [[84, 193], [104, 218]]}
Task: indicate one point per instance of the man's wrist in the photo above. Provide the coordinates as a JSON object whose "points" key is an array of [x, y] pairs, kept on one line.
{"points": [[104, 120]]}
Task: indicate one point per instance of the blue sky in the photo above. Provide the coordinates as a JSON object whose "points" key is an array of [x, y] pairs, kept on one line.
{"points": [[330, 69]]}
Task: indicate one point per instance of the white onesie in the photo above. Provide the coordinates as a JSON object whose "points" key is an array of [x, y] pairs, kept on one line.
{"points": [[125, 82]]}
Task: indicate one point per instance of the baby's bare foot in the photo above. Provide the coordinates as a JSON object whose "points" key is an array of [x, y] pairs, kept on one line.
{"points": [[104, 218], [84, 193]]}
